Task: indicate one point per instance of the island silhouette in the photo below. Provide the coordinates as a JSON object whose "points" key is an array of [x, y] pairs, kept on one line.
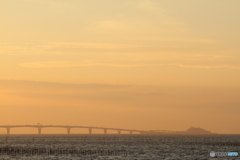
{"points": [[191, 130]]}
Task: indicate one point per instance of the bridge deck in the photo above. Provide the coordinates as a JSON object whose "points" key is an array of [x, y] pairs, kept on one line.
{"points": [[39, 127]]}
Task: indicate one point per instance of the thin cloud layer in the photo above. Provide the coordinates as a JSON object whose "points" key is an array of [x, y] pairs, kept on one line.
{"points": [[125, 95], [59, 64]]}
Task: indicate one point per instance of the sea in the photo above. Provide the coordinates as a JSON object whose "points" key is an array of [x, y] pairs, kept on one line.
{"points": [[119, 146]]}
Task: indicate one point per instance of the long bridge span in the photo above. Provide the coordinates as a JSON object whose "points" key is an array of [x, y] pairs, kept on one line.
{"points": [[68, 128]]}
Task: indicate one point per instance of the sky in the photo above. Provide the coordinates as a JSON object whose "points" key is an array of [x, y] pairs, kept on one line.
{"points": [[143, 64]]}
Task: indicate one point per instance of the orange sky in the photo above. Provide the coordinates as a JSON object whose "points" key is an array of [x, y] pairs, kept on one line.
{"points": [[144, 64]]}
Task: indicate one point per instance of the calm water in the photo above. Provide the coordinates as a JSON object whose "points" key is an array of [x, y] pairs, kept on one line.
{"points": [[117, 146]]}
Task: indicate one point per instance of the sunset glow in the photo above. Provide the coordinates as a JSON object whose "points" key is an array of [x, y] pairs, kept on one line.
{"points": [[144, 64]]}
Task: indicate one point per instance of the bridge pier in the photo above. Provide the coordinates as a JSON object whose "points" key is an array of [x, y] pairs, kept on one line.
{"points": [[119, 131], [68, 130], [131, 132], [39, 130], [90, 130], [105, 131], [8, 130]]}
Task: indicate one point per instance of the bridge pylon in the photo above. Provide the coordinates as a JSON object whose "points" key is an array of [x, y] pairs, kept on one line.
{"points": [[39, 130], [90, 130], [68, 130], [8, 130], [119, 131], [105, 130]]}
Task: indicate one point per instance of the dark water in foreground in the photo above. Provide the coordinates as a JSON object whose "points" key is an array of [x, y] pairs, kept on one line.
{"points": [[117, 146]]}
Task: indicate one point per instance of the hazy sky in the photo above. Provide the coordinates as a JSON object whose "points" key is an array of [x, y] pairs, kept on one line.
{"points": [[144, 64]]}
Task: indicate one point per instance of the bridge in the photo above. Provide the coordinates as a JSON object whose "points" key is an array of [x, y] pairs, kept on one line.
{"points": [[68, 128]]}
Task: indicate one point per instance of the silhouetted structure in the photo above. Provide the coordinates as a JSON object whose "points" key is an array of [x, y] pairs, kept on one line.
{"points": [[40, 127], [191, 130]]}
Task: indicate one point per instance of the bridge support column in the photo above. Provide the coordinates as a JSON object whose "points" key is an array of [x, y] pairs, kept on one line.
{"points": [[105, 131], [90, 130], [39, 130], [68, 130], [8, 130], [131, 132], [119, 131]]}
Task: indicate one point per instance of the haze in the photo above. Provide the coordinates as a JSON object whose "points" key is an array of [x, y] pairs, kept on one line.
{"points": [[143, 64]]}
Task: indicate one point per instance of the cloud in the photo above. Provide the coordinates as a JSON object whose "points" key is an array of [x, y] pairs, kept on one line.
{"points": [[57, 64], [116, 94], [92, 93], [111, 25], [39, 85], [64, 48], [206, 67], [158, 45], [150, 6]]}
